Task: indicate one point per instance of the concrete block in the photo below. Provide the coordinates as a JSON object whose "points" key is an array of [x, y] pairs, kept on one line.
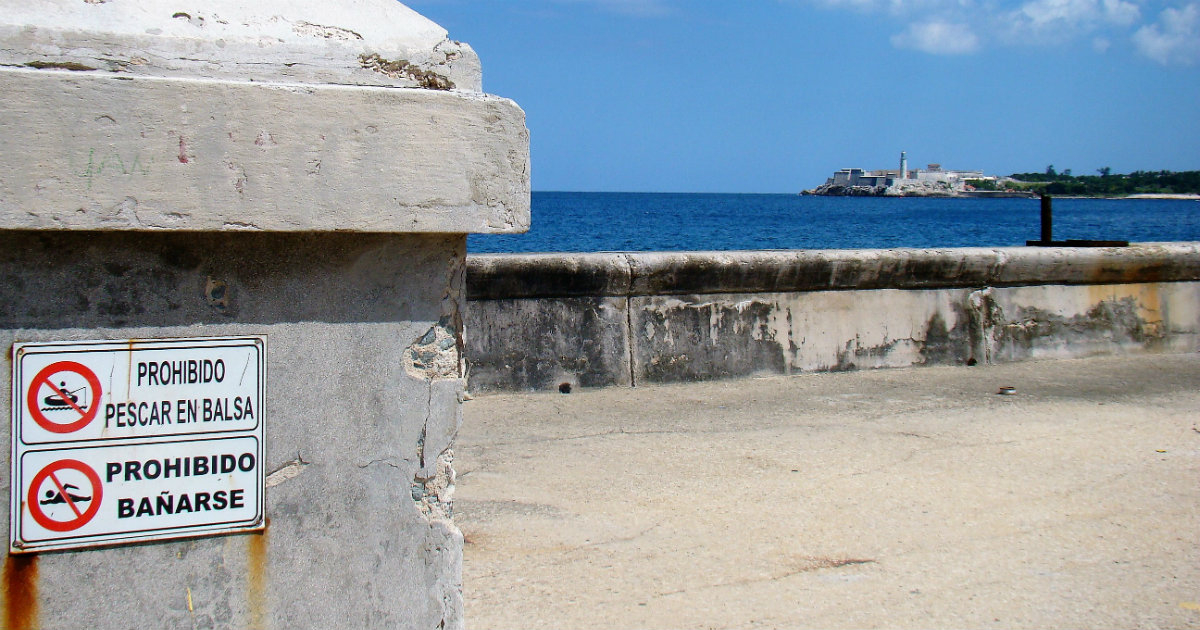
{"points": [[303, 171], [543, 344], [505, 276], [707, 315]]}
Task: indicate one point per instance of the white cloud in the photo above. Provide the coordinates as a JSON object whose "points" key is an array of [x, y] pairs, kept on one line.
{"points": [[1062, 18], [1121, 13], [1043, 12], [638, 8], [851, 4], [965, 26], [900, 7], [1174, 39], [938, 38]]}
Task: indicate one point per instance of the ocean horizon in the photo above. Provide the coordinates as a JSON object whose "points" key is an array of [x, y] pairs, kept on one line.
{"points": [[565, 221]]}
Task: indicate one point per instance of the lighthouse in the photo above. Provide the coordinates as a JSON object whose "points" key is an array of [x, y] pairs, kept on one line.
{"points": [[903, 165]]}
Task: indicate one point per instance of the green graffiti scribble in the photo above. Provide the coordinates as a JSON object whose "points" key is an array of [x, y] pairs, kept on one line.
{"points": [[114, 165]]}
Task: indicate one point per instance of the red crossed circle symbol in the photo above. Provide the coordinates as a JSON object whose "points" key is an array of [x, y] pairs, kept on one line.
{"points": [[81, 516], [43, 379]]}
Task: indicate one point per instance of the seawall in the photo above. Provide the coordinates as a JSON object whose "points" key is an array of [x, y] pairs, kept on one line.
{"points": [[550, 321]]}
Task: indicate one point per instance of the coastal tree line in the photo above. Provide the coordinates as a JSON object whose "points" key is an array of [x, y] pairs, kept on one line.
{"points": [[1105, 183]]}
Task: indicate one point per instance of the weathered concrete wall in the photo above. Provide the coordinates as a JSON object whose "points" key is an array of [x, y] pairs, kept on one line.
{"points": [[665, 317], [550, 342]]}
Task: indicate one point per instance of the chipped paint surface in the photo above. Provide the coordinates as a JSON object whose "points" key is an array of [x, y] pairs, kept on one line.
{"points": [[435, 355], [285, 472], [716, 336], [401, 68]]}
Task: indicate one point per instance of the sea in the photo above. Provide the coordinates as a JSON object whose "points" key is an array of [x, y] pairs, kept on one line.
{"points": [[639, 222]]}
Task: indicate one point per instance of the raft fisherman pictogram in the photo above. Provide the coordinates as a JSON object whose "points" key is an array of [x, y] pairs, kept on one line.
{"points": [[68, 405], [58, 400]]}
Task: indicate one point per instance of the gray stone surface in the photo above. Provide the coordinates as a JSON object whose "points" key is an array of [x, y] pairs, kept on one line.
{"points": [[349, 430], [705, 315], [908, 498]]}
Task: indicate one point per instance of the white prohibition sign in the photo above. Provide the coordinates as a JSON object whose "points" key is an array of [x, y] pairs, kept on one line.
{"points": [[122, 441]]}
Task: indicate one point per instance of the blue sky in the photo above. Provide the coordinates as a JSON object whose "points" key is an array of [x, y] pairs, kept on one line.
{"points": [[774, 95]]}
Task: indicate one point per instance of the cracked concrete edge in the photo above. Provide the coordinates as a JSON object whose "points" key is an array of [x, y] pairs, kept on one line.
{"points": [[443, 550], [434, 477], [435, 355], [433, 485]]}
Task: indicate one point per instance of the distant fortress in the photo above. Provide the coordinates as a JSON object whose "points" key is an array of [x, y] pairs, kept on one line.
{"points": [[933, 181]]}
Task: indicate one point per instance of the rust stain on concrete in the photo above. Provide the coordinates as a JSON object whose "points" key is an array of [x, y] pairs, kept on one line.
{"points": [[256, 578], [20, 592]]}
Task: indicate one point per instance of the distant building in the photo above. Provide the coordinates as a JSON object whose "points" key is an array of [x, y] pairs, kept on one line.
{"points": [[933, 173], [859, 177], [932, 181]]}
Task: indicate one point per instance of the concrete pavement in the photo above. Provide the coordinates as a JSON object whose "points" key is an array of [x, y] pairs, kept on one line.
{"points": [[894, 498]]}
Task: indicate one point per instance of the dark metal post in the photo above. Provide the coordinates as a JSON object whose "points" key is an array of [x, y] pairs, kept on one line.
{"points": [[1047, 221], [1048, 233]]}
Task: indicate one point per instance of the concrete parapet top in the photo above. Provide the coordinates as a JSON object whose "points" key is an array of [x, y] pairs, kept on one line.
{"points": [[361, 42], [514, 276], [87, 152], [277, 116]]}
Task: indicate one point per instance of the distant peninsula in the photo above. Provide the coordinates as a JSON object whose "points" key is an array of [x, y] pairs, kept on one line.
{"points": [[935, 181]]}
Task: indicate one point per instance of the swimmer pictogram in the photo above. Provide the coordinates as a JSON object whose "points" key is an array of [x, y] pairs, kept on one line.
{"points": [[68, 483], [53, 497], [63, 397]]}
